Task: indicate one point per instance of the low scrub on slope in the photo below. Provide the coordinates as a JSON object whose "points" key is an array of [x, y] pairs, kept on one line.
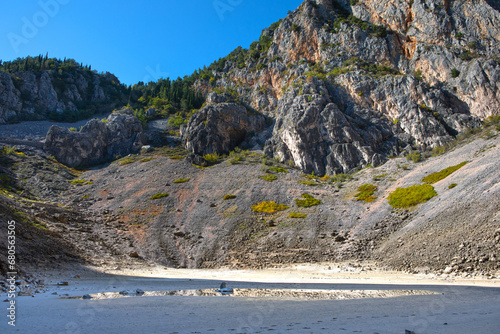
{"points": [[438, 176], [268, 207], [411, 196]]}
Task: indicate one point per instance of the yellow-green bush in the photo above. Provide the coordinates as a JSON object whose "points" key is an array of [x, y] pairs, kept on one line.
{"points": [[297, 215], [365, 192], [81, 181], [227, 197], [182, 180], [411, 196], [438, 176], [268, 177], [309, 183], [159, 195], [278, 169], [212, 158], [127, 161], [307, 201], [268, 207]]}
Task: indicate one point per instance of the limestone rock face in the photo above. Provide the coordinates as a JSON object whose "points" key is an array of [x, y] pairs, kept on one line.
{"points": [[350, 82], [97, 141], [10, 102], [220, 127], [34, 96]]}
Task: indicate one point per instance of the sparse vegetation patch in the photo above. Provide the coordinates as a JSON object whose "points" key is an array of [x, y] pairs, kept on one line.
{"points": [[228, 197], [438, 176], [309, 183], [268, 177], [268, 207], [411, 196], [159, 195], [182, 180], [297, 215], [307, 201], [276, 169], [365, 193], [80, 181]]}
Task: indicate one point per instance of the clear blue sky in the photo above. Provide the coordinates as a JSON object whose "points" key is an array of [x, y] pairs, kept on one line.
{"points": [[136, 40]]}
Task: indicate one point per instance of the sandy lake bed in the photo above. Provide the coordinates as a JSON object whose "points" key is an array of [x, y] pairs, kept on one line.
{"points": [[298, 299]]}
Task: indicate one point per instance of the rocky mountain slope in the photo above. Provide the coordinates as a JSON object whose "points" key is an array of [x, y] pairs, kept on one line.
{"points": [[346, 84], [331, 103], [41, 88], [158, 208]]}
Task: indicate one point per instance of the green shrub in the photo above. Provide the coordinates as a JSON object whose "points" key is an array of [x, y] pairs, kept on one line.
{"points": [[228, 197], [127, 161], [418, 75], [159, 195], [309, 183], [438, 150], [414, 156], [338, 178], [455, 73], [379, 177], [268, 177], [182, 180], [268, 207], [411, 196], [365, 193], [81, 181], [472, 45], [295, 27], [297, 215], [307, 201], [492, 120], [438, 176], [176, 157], [453, 185], [212, 158], [8, 150], [72, 129], [278, 169]]}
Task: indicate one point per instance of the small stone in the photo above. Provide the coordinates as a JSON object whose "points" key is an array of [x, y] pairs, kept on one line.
{"points": [[87, 296]]}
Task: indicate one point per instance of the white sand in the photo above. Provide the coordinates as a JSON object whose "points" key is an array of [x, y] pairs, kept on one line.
{"points": [[458, 305]]}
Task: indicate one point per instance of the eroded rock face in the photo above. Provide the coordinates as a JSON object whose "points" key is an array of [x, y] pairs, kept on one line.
{"points": [[97, 141], [29, 95], [350, 82], [220, 127]]}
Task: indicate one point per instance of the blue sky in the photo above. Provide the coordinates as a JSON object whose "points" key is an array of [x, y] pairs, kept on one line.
{"points": [[136, 40]]}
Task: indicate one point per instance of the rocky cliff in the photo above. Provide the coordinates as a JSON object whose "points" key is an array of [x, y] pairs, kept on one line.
{"points": [[348, 83], [61, 94], [96, 141]]}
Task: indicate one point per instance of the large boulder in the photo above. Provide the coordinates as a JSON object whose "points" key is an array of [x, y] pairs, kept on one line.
{"points": [[220, 127], [97, 141]]}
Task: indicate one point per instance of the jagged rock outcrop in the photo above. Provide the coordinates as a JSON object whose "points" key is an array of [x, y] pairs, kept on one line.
{"points": [[349, 82], [96, 141], [39, 95], [220, 127]]}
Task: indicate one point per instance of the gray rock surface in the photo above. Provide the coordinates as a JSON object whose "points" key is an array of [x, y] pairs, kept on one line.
{"points": [[219, 128], [97, 141], [35, 96], [345, 91]]}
